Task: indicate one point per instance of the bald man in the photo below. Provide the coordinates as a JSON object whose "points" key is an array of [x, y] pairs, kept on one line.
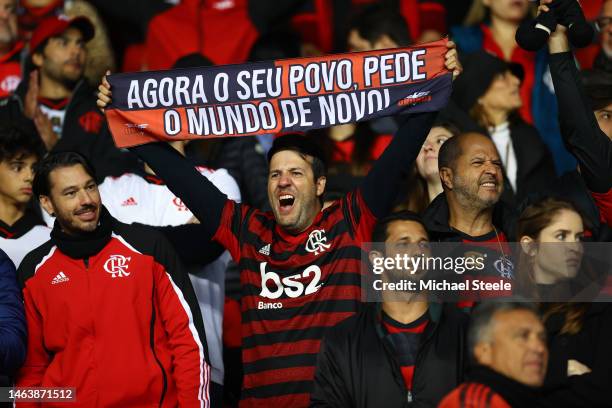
{"points": [[469, 210]]}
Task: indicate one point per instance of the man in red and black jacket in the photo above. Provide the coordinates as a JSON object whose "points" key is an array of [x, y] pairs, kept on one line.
{"points": [[109, 310]]}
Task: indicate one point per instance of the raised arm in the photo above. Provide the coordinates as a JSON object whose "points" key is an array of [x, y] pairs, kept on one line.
{"points": [[379, 188], [187, 241], [579, 128], [201, 196]]}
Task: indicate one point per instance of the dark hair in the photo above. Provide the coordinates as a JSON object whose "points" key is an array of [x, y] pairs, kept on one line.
{"points": [[41, 47], [380, 233], [532, 221], [304, 146], [318, 167], [377, 20], [280, 43], [192, 60], [534, 218], [41, 184], [417, 193], [450, 152], [448, 125], [540, 214], [573, 315], [19, 141], [361, 154], [598, 88], [482, 317]]}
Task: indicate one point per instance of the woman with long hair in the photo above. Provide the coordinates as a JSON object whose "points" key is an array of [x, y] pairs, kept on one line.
{"points": [[424, 181], [550, 233], [579, 373]]}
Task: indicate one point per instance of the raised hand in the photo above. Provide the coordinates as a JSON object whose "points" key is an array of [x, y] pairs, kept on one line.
{"points": [[104, 93], [451, 60]]}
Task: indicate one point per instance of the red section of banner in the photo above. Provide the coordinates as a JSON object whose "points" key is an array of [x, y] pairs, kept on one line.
{"points": [[133, 128], [332, 66], [314, 92]]}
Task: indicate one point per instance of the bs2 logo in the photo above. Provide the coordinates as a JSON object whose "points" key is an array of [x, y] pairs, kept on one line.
{"points": [[289, 285]]}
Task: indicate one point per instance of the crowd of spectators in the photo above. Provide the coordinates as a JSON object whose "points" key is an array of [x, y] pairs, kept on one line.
{"points": [[522, 153]]}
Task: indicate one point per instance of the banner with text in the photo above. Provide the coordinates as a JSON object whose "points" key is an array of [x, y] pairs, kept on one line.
{"points": [[276, 96]]}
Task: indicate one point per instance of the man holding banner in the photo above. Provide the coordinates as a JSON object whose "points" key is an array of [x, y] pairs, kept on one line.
{"points": [[300, 264]]}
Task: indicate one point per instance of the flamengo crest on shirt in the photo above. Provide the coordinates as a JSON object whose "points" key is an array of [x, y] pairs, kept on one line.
{"points": [[316, 243], [117, 266]]}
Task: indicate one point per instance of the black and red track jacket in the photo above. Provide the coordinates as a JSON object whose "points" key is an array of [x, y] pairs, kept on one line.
{"points": [[121, 325]]}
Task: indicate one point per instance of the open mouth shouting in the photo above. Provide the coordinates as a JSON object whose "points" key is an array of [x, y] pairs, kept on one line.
{"points": [[285, 203]]}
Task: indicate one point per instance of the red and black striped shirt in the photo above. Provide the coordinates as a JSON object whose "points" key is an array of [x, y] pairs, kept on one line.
{"points": [[294, 287]]}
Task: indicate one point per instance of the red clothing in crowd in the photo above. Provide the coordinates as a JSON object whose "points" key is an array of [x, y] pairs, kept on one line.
{"points": [[473, 395], [116, 326], [407, 344], [420, 15], [604, 203], [10, 70], [525, 58], [343, 150], [219, 29]]}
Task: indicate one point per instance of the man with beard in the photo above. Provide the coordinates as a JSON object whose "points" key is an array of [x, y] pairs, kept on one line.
{"points": [[469, 211], [109, 309], [405, 349], [58, 100], [10, 48], [300, 263], [472, 179]]}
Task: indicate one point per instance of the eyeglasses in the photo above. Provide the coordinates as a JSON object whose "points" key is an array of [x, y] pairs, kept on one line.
{"points": [[603, 22]]}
